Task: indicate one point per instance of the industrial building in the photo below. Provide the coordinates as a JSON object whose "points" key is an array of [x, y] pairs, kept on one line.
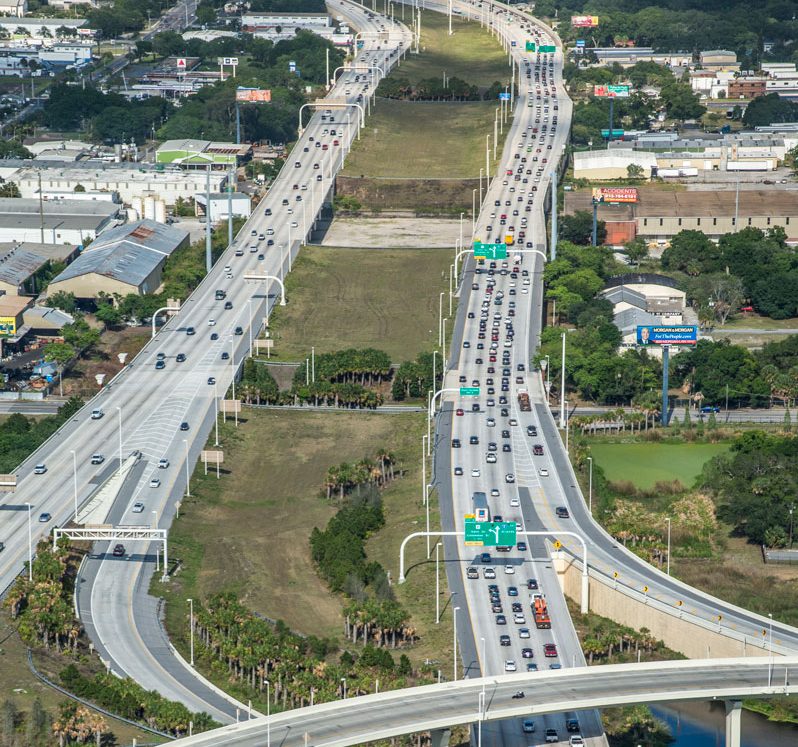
{"points": [[252, 22], [13, 8], [44, 29], [659, 215], [126, 259], [128, 183], [644, 299], [20, 263], [220, 206], [628, 56], [600, 165], [198, 154], [719, 59], [55, 222]]}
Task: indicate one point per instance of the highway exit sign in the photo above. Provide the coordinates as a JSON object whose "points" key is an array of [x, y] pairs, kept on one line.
{"points": [[489, 533], [489, 251], [469, 391], [530, 46], [547, 48]]}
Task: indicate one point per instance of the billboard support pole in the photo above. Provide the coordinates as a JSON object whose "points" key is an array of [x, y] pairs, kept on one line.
{"points": [[609, 134], [594, 235], [238, 124], [665, 356]]}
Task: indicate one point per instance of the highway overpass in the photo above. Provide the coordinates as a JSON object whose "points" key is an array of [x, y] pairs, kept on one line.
{"points": [[435, 707]]}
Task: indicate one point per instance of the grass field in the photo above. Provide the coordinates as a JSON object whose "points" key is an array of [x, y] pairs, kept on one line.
{"points": [[424, 140], [471, 53], [19, 686], [248, 532], [341, 298], [754, 321], [645, 464]]}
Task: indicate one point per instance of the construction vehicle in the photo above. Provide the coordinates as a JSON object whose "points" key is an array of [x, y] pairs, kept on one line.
{"points": [[523, 401], [540, 612]]}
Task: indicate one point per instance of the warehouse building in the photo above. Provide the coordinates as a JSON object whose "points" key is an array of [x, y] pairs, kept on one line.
{"points": [[240, 203], [659, 215], [128, 184], [21, 263], [198, 154], [611, 164], [61, 222], [126, 259]]}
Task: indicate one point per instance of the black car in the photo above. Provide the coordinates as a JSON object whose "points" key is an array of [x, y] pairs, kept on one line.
{"points": [[501, 620], [239, 331], [228, 305], [225, 356], [180, 357], [214, 335], [119, 551], [160, 364], [184, 426], [562, 512], [190, 331], [532, 584]]}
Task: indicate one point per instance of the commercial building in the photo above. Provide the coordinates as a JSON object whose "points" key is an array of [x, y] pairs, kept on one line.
{"points": [[628, 56], [644, 299], [197, 154], [251, 22], [128, 183], [11, 311], [748, 87], [711, 84], [20, 264], [220, 206], [43, 29], [719, 59], [56, 222], [611, 164], [126, 259], [659, 215], [14, 8]]}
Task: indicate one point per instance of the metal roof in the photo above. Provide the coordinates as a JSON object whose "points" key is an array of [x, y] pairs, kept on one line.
{"points": [[43, 317], [18, 264], [127, 253]]}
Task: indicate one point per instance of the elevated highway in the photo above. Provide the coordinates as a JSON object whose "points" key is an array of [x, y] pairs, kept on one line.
{"points": [[482, 700]]}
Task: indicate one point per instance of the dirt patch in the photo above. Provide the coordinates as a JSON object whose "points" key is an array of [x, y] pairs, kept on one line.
{"points": [[401, 232], [422, 196]]}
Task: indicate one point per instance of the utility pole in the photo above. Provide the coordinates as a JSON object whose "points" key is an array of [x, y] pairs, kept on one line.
{"points": [[562, 385], [208, 257], [41, 206], [230, 179], [553, 251]]}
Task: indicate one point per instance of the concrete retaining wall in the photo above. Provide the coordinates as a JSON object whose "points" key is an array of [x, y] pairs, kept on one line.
{"points": [[675, 631]]}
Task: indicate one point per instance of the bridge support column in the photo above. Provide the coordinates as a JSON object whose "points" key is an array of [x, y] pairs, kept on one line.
{"points": [[440, 737], [733, 712]]}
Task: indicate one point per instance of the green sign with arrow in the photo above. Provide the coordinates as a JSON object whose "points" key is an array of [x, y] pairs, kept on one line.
{"points": [[489, 251], [490, 533]]}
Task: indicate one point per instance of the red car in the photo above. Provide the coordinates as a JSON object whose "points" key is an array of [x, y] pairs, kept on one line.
{"points": [[460, 411], [549, 650]]}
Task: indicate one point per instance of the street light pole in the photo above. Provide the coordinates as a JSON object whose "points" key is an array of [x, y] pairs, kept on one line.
{"points": [[440, 317], [188, 474], [268, 714], [590, 485], [437, 586], [75, 482], [770, 648], [454, 615], [191, 627], [30, 545], [668, 519], [119, 410], [216, 411], [562, 385]]}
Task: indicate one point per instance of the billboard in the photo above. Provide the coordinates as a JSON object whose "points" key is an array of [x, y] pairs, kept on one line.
{"points": [[8, 326], [611, 92], [253, 94], [667, 334], [581, 22], [614, 194]]}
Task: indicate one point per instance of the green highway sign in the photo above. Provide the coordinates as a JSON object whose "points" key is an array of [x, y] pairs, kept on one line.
{"points": [[615, 133], [547, 48], [530, 46], [469, 391], [489, 251], [490, 533]]}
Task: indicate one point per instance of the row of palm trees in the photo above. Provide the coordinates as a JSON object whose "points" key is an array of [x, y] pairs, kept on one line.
{"points": [[364, 366], [602, 642], [324, 393], [343, 478], [260, 657], [381, 622], [42, 604]]}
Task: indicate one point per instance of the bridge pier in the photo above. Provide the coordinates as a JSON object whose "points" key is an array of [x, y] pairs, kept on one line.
{"points": [[733, 712], [440, 737]]}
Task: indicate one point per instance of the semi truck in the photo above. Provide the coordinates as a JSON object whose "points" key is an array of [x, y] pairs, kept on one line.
{"points": [[479, 500]]}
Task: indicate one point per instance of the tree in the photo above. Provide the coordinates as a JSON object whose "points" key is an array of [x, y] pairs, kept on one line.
{"points": [[59, 353], [64, 301], [109, 314], [10, 189], [79, 188], [727, 295], [578, 228], [636, 251], [635, 171], [769, 109]]}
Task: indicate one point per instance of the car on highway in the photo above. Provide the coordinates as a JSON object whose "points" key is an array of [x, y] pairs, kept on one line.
{"points": [[549, 650], [475, 472], [524, 633], [543, 472], [528, 726], [225, 356], [155, 482], [501, 620], [509, 477], [40, 469], [514, 502], [44, 517], [509, 570], [576, 741], [163, 463], [180, 357], [184, 426], [489, 573], [119, 551], [214, 335], [504, 640], [562, 512], [551, 736], [138, 507], [160, 364], [472, 572], [510, 666], [96, 414], [458, 471], [527, 653], [97, 458], [572, 725]]}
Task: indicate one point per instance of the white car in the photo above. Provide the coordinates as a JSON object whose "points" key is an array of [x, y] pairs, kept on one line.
{"points": [[576, 741], [509, 666], [509, 477], [211, 322], [490, 458], [509, 570], [514, 503], [155, 482], [543, 472], [494, 493], [138, 507], [528, 726], [523, 633], [96, 414], [475, 473], [163, 463], [491, 422]]}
